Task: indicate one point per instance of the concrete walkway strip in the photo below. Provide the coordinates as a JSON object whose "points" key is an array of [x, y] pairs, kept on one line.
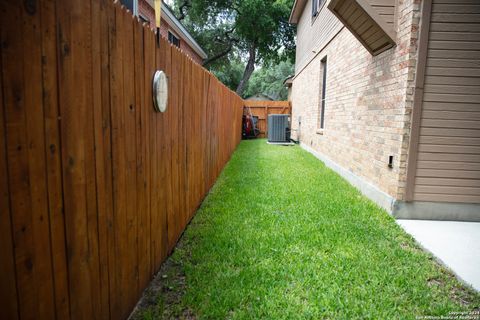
{"points": [[456, 244]]}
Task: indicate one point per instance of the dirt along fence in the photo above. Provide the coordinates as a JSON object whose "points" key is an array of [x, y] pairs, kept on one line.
{"points": [[95, 186], [262, 109]]}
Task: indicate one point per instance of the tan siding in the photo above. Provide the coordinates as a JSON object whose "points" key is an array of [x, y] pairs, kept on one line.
{"points": [[450, 140], [445, 197], [451, 115], [448, 164], [314, 35], [446, 182], [454, 173], [443, 156], [447, 106], [449, 190]]}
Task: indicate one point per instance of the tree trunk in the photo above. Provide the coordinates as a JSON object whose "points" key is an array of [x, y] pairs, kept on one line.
{"points": [[249, 68]]}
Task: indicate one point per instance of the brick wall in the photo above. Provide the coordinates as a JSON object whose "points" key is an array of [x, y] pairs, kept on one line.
{"points": [[148, 12], [368, 104], [164, 27]]}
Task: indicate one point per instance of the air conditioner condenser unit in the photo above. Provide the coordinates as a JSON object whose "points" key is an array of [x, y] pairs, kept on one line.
{"points": [[278, 128]]}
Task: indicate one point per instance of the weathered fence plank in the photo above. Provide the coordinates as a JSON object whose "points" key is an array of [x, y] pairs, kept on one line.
{"points": [[95, 186], [8, 287], [101, 120]]}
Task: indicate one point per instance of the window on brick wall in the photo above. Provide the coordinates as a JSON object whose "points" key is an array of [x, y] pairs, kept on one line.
{"points": [[173, 39], [323, 86], [128, 4], [143, 19]]}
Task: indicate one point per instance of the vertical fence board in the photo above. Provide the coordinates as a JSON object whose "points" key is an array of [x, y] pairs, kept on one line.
{"points": [[101, 131], [182, 156], [169, 144], [174, 114], [129, 111], [147, 107], [159, 186], [180, 214], [148, 39], [8, 286], [174, 161], [182, 192], [73, 24], [91, 66], [205, 135], [162, 133], [109, 71], [154, 186], [141, 187], [32, 61], [196, 165], [188, 136], [17, 159], [118, 168], [119, 163], [53, 161], [156, 221], [155, 175]]}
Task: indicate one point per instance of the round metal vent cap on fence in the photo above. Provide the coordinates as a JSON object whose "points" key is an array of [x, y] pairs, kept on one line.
{"points": [[160, 91]]}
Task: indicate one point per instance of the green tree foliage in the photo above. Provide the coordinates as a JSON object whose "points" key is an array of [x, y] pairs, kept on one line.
{"points": [[256, 31], [268, 80], [230, 73]]}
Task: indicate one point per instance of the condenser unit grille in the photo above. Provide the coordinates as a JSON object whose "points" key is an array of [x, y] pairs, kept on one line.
{"points": [[278, 128]]}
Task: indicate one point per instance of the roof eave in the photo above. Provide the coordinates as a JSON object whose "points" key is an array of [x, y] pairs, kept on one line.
{"points": [[297, 10], [372, 21]]}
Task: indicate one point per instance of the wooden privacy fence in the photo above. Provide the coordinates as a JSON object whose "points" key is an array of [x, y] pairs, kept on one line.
{"points": [[95, 187], [262, 109]]}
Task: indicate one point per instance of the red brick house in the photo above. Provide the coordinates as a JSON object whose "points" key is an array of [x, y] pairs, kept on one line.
{"points": [[170, 27]]}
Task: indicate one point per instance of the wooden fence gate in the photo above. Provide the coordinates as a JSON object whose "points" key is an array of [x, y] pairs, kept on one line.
{"points": [[262, 109], [96, 187]]}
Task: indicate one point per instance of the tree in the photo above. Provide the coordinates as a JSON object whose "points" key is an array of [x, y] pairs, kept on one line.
{"points": [[257, 31], [268, 80], [230, 74]]}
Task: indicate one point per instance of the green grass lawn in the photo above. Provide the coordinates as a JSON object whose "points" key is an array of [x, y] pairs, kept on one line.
{"points": [[281, 236]]}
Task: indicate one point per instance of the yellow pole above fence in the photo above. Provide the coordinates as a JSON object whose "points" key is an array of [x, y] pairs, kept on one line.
{"points": [[158, 16], [158, 12]]}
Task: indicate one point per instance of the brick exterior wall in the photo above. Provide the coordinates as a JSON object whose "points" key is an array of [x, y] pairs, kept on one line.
{"points": [[164, 27], [146, 10], [368, 103]]}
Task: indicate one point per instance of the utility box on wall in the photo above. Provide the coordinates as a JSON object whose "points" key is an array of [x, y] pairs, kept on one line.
{"points": [[278, 128]]}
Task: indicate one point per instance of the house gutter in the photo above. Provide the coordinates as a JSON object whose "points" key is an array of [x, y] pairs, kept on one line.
{"points": [[297, 10]]}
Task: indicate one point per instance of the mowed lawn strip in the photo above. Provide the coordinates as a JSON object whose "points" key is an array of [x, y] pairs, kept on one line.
{"points": [[281, 236]]}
